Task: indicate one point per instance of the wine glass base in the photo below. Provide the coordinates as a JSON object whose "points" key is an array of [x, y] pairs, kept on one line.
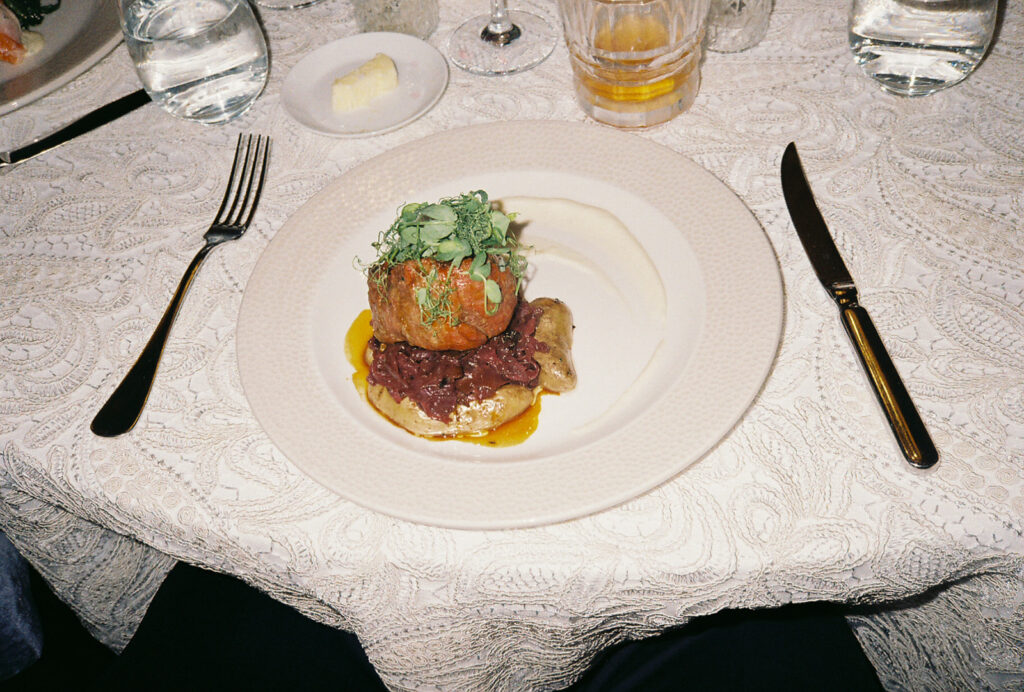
{"points": [[284, 4], [468, 50]]}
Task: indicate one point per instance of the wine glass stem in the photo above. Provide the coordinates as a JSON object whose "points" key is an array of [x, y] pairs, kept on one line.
{"points": [[500, 28]]}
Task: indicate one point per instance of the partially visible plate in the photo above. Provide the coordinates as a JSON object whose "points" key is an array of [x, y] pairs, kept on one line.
{"points": [[422, 78], [677, 308], [78, 35]]}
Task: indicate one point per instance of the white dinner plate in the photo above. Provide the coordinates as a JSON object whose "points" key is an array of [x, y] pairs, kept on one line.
{"points": [[77, 36], [677, 308], [422, 78]]}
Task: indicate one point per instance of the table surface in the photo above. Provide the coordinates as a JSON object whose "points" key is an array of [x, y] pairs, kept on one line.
{"points": [[806, 499]]}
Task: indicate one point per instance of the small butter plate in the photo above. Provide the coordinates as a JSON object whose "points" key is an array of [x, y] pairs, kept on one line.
{"points": [[422, 78]]}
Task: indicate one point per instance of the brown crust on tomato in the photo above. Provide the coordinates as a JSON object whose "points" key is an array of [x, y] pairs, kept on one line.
{"points": [[396, 314]]}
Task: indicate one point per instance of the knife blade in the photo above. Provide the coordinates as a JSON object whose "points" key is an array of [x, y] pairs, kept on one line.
{"points": [[911, 434], [87, 123]]}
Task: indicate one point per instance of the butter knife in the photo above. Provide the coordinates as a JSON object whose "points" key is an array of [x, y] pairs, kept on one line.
{"points": [[906, 424], [87, 123]]}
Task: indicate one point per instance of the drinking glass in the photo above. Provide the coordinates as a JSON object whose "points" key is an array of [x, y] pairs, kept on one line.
{"points": [[736, 25], [415, 17], [502, 42], [202, 60], [917, 47], [635, 63], [284, 4]]}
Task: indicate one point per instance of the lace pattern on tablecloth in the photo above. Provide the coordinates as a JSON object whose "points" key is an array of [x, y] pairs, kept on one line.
{"points": [[107, 579], [980, 637], [806, 499]]}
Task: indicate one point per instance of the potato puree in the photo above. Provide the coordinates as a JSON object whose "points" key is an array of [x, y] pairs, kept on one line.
{"points": [[568, 224]]}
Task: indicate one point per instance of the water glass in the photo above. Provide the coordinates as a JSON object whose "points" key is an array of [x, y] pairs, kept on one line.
{"points": [[415, 17], [201, 60], [736, 25], [917, 47], [635, 63]]}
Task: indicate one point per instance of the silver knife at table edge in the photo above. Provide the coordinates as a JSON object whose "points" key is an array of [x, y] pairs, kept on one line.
{"points": [[911, 434], [88, 122]]}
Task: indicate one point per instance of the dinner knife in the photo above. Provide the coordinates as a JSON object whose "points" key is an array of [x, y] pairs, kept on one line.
{"points": [[87, 123], [906, 424]]}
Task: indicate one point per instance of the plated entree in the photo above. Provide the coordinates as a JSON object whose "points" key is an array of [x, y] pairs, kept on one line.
{"points": [[456, 351], [16, 19]]}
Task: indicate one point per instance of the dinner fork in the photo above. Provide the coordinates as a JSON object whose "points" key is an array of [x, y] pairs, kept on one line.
{"points": [[245, 184]]}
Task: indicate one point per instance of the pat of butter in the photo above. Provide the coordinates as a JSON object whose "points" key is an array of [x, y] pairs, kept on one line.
{"points": [[361, 86]]}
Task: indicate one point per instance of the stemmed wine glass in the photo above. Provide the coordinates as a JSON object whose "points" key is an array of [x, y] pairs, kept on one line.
{"points": [[503, 42], [284, 4]]}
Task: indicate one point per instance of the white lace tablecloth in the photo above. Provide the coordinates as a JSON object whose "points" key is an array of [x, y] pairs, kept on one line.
{"points": [[807, 498]]}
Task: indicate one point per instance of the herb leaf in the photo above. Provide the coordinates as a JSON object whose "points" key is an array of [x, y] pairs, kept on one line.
{"points": [[493, 293], [450, 231]]}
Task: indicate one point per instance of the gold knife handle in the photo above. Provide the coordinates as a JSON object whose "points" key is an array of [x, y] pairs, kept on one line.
{"points": [[914, 440]]}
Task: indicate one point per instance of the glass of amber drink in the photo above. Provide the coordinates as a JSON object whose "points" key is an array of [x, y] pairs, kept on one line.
{"points": [[635, 63]]}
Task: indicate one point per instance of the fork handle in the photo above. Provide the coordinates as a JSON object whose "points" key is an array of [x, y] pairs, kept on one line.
{"points": [[125, 405]]}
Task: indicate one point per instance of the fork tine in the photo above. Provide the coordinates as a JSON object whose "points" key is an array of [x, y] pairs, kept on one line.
{"points": [[244, 183], [265, 154], [229, 193]]}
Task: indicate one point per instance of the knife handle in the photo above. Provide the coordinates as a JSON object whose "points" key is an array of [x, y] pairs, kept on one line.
{"points": [[87, 123], [914, 440]]}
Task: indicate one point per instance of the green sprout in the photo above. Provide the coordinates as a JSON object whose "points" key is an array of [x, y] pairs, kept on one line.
{"points": [[450, 231]]}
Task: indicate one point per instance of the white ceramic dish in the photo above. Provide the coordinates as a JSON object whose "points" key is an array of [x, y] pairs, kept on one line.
{"points": [[661, 380], [422, 78], [78, 35]]}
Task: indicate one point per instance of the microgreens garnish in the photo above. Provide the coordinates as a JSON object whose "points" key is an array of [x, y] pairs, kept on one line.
{"points": [[450, 231]]}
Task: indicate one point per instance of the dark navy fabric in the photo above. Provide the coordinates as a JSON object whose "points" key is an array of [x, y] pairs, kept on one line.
{"points": [[209, 631], [234, 637], [21, 634], [796, 648]]}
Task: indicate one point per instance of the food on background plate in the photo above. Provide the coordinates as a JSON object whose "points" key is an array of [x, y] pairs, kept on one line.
{"points": [[16, 16], [12, 49], [456, 351], [365, 84]]}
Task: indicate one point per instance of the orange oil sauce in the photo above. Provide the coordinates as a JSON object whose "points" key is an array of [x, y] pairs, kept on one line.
{"points": [[511, 433]]}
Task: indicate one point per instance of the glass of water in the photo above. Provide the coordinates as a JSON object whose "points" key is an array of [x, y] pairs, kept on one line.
{"points": [[201, 60], [917, 47]]}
